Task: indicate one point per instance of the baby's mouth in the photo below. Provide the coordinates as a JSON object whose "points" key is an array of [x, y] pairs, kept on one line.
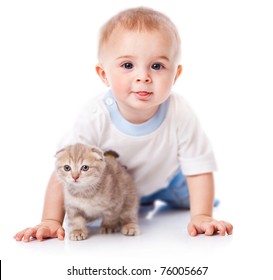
{"points": [[143, 94]]}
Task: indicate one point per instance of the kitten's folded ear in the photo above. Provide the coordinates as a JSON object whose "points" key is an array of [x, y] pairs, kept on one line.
{"points": [[98, 153], [58, 152], [111, 153]]}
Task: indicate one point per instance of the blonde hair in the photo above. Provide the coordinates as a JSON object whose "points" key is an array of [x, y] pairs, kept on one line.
{"points": [[138, 19]]}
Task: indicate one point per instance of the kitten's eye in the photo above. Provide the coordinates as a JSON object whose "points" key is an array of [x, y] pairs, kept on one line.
{"points": [[85, 168], [67, 168]]}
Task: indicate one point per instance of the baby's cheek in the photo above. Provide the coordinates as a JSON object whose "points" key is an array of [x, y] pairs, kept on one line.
{"points": [[119, 85]]}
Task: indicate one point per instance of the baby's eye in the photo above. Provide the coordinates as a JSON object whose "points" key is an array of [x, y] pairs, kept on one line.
{"points": [[157, 66], [128, 65], [85, 168], [67, 168]]}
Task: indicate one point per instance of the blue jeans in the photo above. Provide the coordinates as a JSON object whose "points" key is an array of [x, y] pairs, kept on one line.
{"points": [[176, 194]]}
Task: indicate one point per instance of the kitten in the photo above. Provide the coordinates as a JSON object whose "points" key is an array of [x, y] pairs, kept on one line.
{"points": [[96, 186]]}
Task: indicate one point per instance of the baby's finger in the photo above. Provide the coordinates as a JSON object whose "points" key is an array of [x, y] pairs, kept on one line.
{"points": [[192, 229], [60, 233], [42, 233], [228, 226], [30, 232], [221, 228], [230, 229], [19, 235], [209, 229]]}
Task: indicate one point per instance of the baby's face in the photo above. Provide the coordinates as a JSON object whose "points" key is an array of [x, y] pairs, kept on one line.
{"points": [[140, 68]]}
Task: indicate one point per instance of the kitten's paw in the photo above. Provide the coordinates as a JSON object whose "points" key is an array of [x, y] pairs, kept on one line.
{"points": [[130, 229], [108, 229], [78, 234]]}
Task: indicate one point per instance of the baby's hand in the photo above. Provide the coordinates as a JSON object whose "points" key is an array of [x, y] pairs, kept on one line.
{"points": [[46, 229], [208, 226]]}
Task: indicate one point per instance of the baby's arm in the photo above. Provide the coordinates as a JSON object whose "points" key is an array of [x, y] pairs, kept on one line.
{"points": [[53, 215], [201, 189]]}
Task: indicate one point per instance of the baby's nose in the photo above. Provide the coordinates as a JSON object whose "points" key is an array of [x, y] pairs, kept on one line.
{"points": [[143, 78]]}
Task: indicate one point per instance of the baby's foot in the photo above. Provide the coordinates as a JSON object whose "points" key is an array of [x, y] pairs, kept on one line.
{"points": [[78, 234], [130, 229]]}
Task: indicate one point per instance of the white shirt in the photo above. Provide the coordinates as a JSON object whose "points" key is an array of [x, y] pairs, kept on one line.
{"points": [[153, 151]]}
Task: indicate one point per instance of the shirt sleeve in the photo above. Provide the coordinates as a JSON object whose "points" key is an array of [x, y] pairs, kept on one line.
{"points": [[194, 149]]}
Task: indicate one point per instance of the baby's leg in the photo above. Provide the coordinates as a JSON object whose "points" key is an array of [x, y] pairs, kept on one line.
{"points": [[176, 194]]}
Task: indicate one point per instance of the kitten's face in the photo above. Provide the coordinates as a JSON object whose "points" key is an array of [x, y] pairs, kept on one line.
{"points": [[80, 165]]}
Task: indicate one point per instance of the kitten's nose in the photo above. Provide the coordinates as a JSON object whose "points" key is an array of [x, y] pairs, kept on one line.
{"points": [[75, 177]]}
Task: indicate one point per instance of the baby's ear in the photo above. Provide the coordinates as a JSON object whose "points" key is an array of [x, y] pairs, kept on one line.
{"points": [[97, 153], [100, 71]]}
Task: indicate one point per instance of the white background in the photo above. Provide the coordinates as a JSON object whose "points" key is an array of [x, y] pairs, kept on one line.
{"points": [[47, 61]]}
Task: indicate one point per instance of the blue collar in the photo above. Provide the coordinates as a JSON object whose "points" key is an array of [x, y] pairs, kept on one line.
{"points": [[134, 129]]}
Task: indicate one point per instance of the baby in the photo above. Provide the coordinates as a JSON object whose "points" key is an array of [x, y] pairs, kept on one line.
{"points": [[153, 129]]}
